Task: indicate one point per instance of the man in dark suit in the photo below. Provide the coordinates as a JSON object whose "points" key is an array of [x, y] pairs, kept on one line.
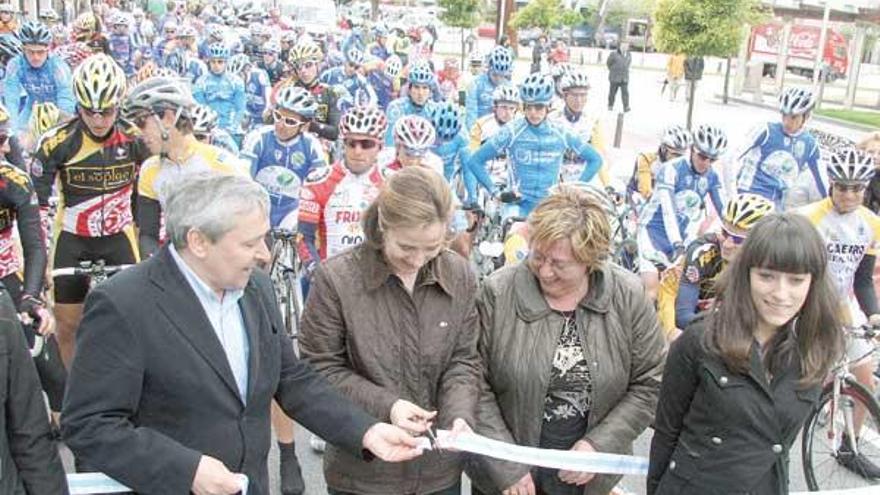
{"points": [[178, 359]]}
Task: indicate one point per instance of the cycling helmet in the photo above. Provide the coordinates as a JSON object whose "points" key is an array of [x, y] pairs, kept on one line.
{"points": [[796, 101], [166, 72], [850, 165], [710, 140], [393, 66], [505, 93], [4, 116], [271, 46], [500, 60], [218, 51], [289, 37], [574, 79], [476, 58], [119, 20], [187, 31], [369, 121], [34, 33], [304, 51], [379, 30], [537, 89], [238, 62], [420, 73], [354, 56], [446, 117], [829, 141], [677, 138], [204, 119], [7, 8], [9, 46], [259, 29], [48, 14], [146, 71], [560, 70], [298, 100], [60, 31], [44, 117], [175, 63], [158, 93], [744, 210], [414, 133], [98, 83], [214, 32], [86, 23]]}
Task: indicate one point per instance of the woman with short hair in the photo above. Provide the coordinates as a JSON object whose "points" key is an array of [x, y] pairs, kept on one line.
{"points": [[572, 352], [741, 380]]}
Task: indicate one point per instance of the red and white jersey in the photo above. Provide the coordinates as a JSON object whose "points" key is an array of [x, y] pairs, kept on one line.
{"points": [[388, 162], [333, 198]]}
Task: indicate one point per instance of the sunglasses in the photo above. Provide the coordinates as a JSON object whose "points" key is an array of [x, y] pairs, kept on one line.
{"points": [[736, 239], [364, 144], [853, 188], [201, 137], [36, 51], [414, 152], [99, 114], [288, 121], [308, 64], [706, 157]]}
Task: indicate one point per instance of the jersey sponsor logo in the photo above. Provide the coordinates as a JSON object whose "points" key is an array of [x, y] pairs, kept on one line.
{"points": [[692, 275], [279, 181], [800, 148], [51, 141], [350, 217], [7, 217], [782, 166], [100, 179], [121, 153], [309, 207], [14, 175], [318, 175]]}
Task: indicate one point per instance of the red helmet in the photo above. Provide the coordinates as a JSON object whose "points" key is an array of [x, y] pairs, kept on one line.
{"points": [[369, 121]]}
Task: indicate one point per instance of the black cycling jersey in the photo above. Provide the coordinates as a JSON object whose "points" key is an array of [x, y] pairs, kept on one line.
{"points": [[18, 205]]}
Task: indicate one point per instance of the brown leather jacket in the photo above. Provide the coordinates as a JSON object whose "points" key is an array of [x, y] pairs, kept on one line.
{"points": [[377, 343], [622, 342]]}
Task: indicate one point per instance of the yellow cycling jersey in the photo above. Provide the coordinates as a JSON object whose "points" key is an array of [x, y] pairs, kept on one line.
{"points": [[198, 157], [589, 128], [644, 173]]}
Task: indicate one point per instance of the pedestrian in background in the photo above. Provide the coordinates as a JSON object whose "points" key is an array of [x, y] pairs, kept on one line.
{"points": [[674, 74], [618, 75]]}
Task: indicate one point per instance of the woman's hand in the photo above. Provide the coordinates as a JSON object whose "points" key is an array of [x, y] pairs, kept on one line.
{"points": [[459, 426], [411, 417], [525, 486], [578, 477]]}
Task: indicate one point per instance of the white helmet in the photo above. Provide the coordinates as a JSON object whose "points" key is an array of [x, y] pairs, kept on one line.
{"points": [[796, 101], [710, 140], [677, 137], [851, 165], [414, 133]]}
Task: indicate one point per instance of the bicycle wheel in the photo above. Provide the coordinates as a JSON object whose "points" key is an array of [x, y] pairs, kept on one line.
{"points": [[821, 444]]}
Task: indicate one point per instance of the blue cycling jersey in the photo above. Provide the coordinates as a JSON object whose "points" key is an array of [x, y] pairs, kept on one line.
{"points": [[122, 50], [379, 51], [402, 107], [678, 203], [257, 80], [535, 154], [479, 99], [281, 168], [50, 82], [773, 161], [224, 93], [223, 139], [454, 154], [383, 86], [359, 90]]}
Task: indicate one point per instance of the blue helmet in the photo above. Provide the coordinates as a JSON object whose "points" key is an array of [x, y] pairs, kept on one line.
{"points": [[354, 56], [34, 33], [380, 30], [537, 89], [218, 50], [446, 117], [298, 100], [500, 60], [420, 73]]}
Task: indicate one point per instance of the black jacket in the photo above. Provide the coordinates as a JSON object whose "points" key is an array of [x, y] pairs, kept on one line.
{"points": [[722, 432], [29, 461]]}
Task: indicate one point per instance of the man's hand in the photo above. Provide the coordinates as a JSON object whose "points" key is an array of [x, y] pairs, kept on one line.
{"points": [[525, 486], [411, 417], [577, 477], [390, 443], [212, 478], [459, 426]]}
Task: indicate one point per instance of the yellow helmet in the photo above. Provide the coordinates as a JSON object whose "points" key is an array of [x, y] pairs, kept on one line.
{"points": [[86, 23], [744, 210], [305, 50], [146, 71], [98, 83], [45, 116]]}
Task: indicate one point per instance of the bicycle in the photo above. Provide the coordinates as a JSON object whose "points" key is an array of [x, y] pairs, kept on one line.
{"points": [[832, 417], [97, 271], [285, 272]]}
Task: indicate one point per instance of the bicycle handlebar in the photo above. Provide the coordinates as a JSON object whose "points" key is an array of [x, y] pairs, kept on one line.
{"points": [[90, 270]]}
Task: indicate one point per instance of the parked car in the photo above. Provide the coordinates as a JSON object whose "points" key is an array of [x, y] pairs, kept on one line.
{"points": [[486, 31], [527, 36], [608, 39], [583, 35], [560, 33]]}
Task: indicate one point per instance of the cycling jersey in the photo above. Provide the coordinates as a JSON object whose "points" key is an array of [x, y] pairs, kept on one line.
{"points": [[672, 215], [454, 153], [326, 121], [485, 128], [479, 99], [122, 50], [535, 155], [402, 107], [332, 201], [274, 70], [281, 169], [256, 85], [681, 298], [19, 205], [385, 87], [771, 163], [355, 87], [589, 129], [96, 177], [50, 82], [223, 140], [224, 93], [379, 51], [642, 180]]}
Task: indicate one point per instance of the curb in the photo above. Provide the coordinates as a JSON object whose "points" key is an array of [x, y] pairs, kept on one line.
{"points": [[821, 118]]}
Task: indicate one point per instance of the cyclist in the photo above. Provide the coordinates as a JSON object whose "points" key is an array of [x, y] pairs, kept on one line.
{"points": [[10, 47], [87, 29], [37, 74], [452, 148], [270, 63], [180, 55], [780, 151], [682, 295], [162, 108], [378, 47], [534, 146], [169, 34], [505, 104], [386, 82], [213, 34], [676, 141], [852, 237], [8, 22], [417, 100], [305, 57], [332, 198], [670, 218], [222, 91], [205, 129], [574, 87], [257, 87], [95, 156], [414, 137], [479, 93], [121, 47], [282, 155], [350, 78]]}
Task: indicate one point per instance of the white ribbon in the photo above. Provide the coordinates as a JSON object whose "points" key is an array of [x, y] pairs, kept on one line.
{"points": [[99, 483]]}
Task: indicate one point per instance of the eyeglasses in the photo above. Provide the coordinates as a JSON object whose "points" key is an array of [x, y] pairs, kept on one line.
{"points": [[853, 188], [414, 152], [288, 121], [201, 137], [99, 114], [736, 239], [307, 64], [706, 157], [36, 51], [537, 260], [364, 144]]}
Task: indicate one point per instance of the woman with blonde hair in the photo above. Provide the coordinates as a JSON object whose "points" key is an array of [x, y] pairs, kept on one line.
{"points": [[572, 352], [392, 323]]}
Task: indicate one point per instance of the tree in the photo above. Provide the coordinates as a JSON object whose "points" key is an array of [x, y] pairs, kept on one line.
{"points": [[545, 14], [463, 14], [701, 28]]}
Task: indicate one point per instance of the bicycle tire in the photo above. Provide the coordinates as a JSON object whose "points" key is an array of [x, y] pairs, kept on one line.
{"points": [[293, 305], [817, 475]]}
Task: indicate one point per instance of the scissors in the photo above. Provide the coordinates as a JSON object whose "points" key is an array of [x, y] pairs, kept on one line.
{"points": [[432, 437]]}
